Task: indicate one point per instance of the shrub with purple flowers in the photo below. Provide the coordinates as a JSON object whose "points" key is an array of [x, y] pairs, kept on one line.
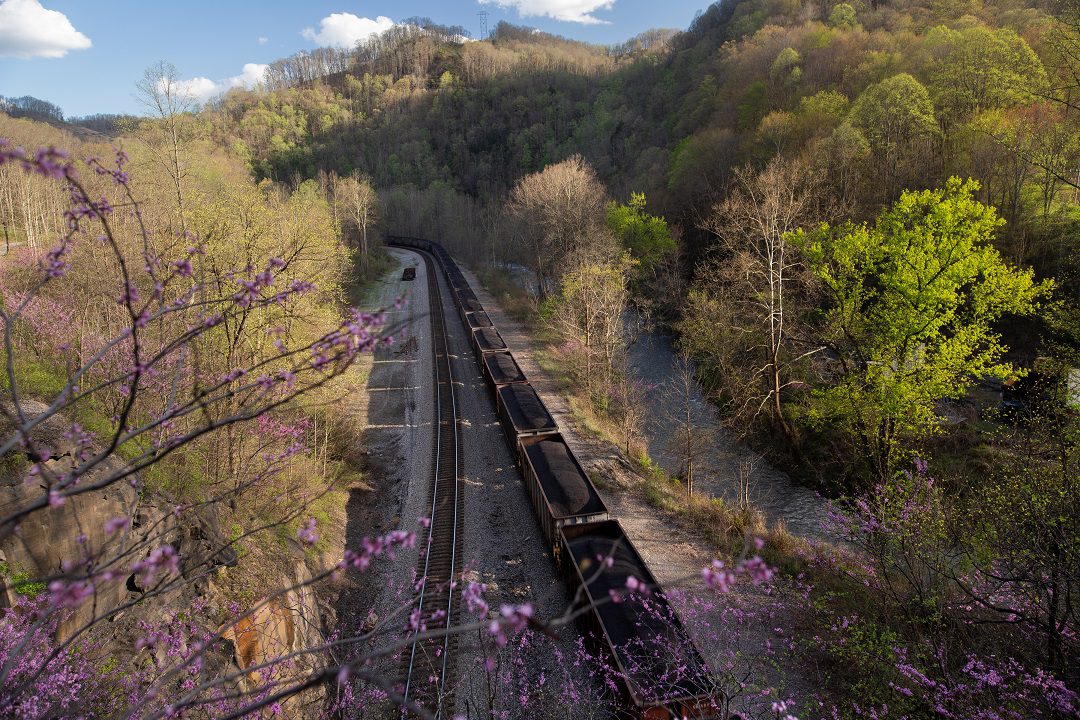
{"points": [[42, 683]]}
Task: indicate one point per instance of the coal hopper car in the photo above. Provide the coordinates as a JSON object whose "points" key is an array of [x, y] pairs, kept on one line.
{"points": [[560, 490], [660, 672], [522, 413], [477, 320], [500, 368], [487, 340]]}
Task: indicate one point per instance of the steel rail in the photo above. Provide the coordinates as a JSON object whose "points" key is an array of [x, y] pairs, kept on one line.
{"points": [[443, 529]]}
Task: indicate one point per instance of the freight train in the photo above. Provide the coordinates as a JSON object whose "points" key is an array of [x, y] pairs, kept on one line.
{"points": [[660, 672]]}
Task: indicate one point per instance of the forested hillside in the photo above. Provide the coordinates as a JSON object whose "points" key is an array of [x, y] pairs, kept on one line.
{"points": [[860, 220], [886, 97], [854, 103]]}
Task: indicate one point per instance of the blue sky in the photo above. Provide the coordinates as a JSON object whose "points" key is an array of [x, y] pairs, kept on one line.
{"points": [[87, 55]]}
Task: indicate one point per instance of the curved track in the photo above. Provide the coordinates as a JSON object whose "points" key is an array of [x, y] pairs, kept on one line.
{"points": [[427, 665]]}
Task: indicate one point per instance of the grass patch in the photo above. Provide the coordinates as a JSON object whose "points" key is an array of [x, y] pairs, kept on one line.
{"points": [[21, 581], [512, 298], [34, 377]]}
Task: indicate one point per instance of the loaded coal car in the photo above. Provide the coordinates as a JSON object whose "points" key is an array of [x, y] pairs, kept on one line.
{"points": [[467, 306], [486, 340], [561, 492], [661, 673], [463, 297], [457, 278], [458, 285], [500, 368], [414, 243], [477, 320], [522, 413]]}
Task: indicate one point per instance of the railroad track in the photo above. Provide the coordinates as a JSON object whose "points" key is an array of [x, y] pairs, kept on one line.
{"points": [[428, 667]]}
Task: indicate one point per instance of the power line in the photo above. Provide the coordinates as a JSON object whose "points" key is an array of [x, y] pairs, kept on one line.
{"points": [[483, 24]]}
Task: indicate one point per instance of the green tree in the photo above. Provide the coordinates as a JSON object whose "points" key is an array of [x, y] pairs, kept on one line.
{"points": [[647, 237], [588, 314], [895, 115], [909, 314], [843, 15], [983, 69]]}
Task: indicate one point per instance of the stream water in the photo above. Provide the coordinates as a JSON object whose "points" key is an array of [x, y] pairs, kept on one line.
{"points": [[654, 361]]}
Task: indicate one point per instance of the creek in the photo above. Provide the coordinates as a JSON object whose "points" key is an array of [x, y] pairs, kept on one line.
{"points": [[653, 361]]}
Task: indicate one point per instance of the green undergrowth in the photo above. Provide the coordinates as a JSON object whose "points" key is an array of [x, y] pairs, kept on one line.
{"points": [[512, 298], [20, 581]]}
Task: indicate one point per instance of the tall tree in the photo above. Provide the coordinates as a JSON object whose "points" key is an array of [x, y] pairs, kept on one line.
{"points": [[647, 237], [170, 103], [744, 307], [558, 211], [588, 314], [691, 440], [910, 307], [357, 200], [982, 69], [897, 117]]}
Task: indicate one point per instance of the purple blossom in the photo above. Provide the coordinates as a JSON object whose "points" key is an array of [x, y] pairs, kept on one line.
{"points": [[183, 268], [161, 560], [473, 594], [635, 585], [306, 533], [69, 594], [717, 577], [116, 524]]}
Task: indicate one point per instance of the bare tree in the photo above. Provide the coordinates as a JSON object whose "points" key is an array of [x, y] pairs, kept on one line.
{"points": [[558, 210], [165, 98], [742, 315], [358, 201], [743, 485], [628, 395], [691, 438]]}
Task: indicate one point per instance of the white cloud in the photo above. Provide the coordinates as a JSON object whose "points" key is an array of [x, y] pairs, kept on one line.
{"points": [[263, 40], [249, 77], [201, 89], [28, 30], [344, 30], [578, 11]]}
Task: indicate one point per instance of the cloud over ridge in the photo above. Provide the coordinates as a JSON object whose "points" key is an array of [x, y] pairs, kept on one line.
{"points": [[28, 30], [344, 30], [201, 89]]}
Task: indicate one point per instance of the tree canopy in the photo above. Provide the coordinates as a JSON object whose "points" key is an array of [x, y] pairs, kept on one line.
{"points": [[909, 307]]}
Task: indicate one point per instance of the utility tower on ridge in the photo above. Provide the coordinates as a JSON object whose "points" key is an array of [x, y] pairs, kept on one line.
{"points": [[483, 24]]}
